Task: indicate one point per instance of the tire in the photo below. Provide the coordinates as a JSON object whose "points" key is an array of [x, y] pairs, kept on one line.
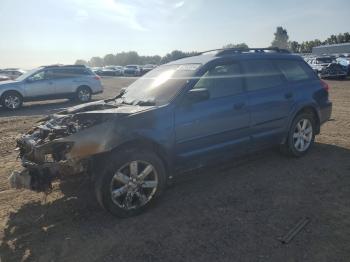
{"points": [[131, 194], [11, 100], [297, 149], [83, 94]]}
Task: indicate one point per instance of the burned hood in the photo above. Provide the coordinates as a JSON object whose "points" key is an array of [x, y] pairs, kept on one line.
{"points": [[104, 107]]}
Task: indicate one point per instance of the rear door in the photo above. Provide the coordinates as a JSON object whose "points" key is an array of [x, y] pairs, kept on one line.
{"points": [[270, 100], [67, 80], [217, 127]]}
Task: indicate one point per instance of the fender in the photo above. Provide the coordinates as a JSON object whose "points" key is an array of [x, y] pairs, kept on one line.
{"points": [[299, 107]]}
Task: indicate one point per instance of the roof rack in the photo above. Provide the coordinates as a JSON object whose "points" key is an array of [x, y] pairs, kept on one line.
{"points": [[230, 51]]}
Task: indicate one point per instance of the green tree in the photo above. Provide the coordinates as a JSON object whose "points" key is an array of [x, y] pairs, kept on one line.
{"points": [[96, 61], [109, 59], [240, 45], [281, 38], [294, 46], [81, 62], [175, 55]]}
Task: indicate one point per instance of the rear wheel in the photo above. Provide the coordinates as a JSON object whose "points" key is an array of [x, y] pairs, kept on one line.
{"points": [[131, 184], [83, 94], [11, 100], [301, 135]]}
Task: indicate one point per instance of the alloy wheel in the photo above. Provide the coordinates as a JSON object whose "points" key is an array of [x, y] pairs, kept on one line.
{"points": [[12, 101], [134, 185], [302, 135], [84, 95]]}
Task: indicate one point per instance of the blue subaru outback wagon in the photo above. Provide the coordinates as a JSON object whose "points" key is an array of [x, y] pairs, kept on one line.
{"points": [[183, 115]]}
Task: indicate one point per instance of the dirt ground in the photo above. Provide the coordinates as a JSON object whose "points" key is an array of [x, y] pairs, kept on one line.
{"points": [[234, 212]]}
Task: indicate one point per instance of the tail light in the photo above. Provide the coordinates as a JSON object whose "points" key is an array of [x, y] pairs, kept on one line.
{"points": [[97, 77], [325, 85]]}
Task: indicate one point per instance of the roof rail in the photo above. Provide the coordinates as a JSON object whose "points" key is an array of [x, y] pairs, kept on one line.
{"points": [[230, 51], [59, 65]]}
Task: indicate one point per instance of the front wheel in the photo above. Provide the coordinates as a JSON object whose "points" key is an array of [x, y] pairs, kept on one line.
{"points": [[11, 100], [131, 183], [83, 94], [301, 135]]}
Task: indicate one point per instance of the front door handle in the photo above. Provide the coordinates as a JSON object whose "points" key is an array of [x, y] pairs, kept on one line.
{"points": [[288, 95], [238, 106]]}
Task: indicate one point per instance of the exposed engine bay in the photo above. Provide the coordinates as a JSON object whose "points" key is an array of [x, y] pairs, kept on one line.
{"points": [[62, 144]]}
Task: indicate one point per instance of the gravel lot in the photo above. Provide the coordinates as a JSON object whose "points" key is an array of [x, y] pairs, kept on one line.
{"points": [[234, 212]]}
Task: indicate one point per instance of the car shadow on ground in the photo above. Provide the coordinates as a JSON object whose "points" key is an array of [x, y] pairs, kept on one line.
{"points": [[234, 211]]}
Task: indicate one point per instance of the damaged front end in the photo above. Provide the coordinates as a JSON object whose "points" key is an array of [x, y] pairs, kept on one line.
{"points": [[61, 145]]}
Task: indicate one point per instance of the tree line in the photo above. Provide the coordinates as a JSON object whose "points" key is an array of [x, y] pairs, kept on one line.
{"points": [[281, 40]]}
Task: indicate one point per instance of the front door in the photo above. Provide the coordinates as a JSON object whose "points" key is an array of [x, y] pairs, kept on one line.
{"points": [[217, 127], [38, 85]]}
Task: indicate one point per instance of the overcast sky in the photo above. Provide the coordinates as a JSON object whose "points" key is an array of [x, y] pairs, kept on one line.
{"points": [[38, 32]]}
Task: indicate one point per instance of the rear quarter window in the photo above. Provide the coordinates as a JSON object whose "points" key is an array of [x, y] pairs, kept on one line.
{"points": [[294, 70], [261, 74]]}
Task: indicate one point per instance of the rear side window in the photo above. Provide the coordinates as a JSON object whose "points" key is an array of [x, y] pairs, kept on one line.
{"points": [[67, 72], [261, 74], [293, 70], [222, 80]]}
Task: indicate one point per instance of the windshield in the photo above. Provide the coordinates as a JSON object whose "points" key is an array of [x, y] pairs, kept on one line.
{"points": [[25, 75], [160, 85]]}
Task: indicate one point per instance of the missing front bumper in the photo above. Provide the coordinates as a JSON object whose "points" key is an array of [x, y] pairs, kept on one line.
{"points": [[39, 177]]}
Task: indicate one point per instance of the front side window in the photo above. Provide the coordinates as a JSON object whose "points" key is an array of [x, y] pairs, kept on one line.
{"points": [[261, 74], [37, 77], [222, 80]]}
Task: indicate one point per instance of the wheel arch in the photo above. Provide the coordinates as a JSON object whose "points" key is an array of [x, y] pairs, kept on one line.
{"points": [[141, 144], [305, 108], [11, 90]]}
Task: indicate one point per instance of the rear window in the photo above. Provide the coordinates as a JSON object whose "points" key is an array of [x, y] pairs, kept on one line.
{"points": [[293, 70], [261, 74]]}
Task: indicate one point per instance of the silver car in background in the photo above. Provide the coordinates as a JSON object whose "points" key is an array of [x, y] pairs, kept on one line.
{"points": [[50, 82], [12, 73]]}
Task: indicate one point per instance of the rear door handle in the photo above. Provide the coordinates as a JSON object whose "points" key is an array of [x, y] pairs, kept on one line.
{"points": [[288, 95], [238, 106]]}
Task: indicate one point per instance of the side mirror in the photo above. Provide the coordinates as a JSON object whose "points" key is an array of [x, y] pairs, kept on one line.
{"points": [[197, 95]]}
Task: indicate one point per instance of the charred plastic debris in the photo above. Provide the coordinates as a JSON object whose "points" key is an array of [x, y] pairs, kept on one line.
{"points": [[62, 144]]}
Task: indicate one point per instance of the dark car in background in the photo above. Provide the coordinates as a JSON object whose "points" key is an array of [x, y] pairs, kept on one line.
{"points": [[146, 68], [187, 114], [111, 71], [333, 70], [132, 70]]}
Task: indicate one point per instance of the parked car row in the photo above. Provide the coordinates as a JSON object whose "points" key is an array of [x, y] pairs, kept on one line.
{"points": [[129, 70], [329, 66], [50, 82], [10, 73]]}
